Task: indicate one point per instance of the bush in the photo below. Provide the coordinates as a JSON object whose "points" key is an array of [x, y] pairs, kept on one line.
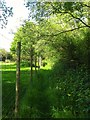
{"points": [[72, 90], [25, 64]]}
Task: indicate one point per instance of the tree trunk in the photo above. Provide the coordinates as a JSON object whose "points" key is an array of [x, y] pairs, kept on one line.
{"points": [[17, 79]]}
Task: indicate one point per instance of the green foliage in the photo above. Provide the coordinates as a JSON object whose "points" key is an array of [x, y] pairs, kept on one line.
{"points": [[27, 35], [5, 55], [72, 90], [76, 10], [5, 12], [25, 64]]}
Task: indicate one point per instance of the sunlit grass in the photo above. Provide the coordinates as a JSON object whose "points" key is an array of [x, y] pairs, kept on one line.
{"points": [[25, 68], [7, 66], [12, 67]]}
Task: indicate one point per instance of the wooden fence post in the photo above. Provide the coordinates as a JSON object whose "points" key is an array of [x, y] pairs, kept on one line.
{"points": [[31, 76], [31, 64], [35, 63], [38, 63], [17, 79]]}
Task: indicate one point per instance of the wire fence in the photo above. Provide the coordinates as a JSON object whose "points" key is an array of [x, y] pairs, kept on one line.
{"points": [[0, 88], [8, 87], [16, 78]]}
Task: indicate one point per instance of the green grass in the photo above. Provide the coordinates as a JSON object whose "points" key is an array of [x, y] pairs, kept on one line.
{"points": [[40, 97], [8, 87]]}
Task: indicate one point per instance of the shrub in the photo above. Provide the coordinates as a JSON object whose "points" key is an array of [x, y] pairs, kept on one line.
{"points": [[72, 90]]}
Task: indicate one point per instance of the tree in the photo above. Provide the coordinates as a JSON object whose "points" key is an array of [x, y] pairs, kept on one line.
{"points": [[27, 34], [72, 15], [5, 12], [5, 55], [75, 11]]}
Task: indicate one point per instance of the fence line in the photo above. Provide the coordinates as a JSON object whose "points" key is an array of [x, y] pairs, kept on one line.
{"points": [[0, 88], [13, 76]]}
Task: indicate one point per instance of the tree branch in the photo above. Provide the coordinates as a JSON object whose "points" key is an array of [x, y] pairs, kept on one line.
{"points": [[63, 31], [86, 5], [67, 12], [79, 19]]}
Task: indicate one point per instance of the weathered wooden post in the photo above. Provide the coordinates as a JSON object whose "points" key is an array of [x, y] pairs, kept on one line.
{"points": [[35, 63], [38, 63], [31, 64], [31, 75], [17, 79]]}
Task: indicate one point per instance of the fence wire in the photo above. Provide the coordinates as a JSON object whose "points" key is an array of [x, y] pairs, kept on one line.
{"points": [[0, 87], [8, 87]]}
